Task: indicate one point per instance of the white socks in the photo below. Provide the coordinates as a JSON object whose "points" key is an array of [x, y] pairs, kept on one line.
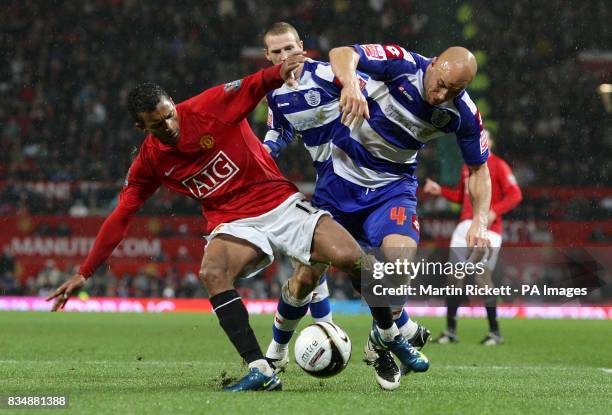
{"points": [[390, 333], [263, 366]]}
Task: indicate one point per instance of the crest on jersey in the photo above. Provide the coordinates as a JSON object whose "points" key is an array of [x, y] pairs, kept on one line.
{"points": [[232, 86], [312, 97], [207, 141], [439, 118]]}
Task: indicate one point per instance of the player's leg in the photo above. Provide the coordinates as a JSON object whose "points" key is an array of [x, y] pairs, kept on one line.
{"points": [[296, 294], [226, 258], [494, 337], [490, 302], [333, 245], [394, 228], [403, 247], [458, 253], [320, 307]]}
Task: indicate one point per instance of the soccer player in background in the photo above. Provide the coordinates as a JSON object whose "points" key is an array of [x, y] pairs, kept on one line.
{"points": [[205, 149], [365, 171], [505, 196]]}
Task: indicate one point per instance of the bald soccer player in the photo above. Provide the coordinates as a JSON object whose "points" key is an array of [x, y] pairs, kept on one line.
{"points": [[365, 168]]}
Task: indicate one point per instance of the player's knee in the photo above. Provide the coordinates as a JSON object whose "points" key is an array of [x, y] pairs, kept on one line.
{"points": [[349, 258], [306, 282], [213, 276]]}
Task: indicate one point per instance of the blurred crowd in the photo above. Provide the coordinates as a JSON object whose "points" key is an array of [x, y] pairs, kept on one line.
{"points": [[579, 269], [151, 283], [69, 66], [553, 126]]}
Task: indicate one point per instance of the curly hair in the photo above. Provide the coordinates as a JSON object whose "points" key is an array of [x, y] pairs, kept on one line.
{"points": [[144, 98]]}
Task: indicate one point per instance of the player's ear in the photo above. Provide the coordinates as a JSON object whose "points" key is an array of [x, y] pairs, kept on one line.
{"points": [[434, 60], [267, 55]]}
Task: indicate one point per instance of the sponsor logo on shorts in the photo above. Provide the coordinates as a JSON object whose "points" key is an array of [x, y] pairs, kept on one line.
{"points": [[213, 176], [415, 223]]}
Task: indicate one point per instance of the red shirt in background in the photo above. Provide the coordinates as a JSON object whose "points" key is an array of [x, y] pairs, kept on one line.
{"points": [[505, 192]]}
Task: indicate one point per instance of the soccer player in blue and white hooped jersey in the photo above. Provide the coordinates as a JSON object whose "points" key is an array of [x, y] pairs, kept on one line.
{"points": [[364, 173]]}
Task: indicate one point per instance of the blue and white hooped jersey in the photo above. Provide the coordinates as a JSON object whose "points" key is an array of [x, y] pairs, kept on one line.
{"points": [[382, 151]]}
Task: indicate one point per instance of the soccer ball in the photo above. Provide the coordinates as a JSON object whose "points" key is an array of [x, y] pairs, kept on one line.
{"points": [[322, 350]]}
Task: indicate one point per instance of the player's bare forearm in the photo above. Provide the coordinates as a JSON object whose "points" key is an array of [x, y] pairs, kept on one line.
{"points": [[479, 187], [352, 104], [344, 62]]}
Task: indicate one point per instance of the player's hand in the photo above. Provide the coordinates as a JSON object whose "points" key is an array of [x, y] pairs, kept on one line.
{"points": [[288, 67], [478, 243], [432, 188], [353, 104], [65, 291]]}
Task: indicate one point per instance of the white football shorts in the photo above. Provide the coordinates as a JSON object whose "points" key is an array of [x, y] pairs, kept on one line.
{"points": [[458, 245], [288, 228]]}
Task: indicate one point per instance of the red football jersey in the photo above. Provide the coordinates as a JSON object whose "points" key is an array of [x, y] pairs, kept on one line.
{"points": [[218, 161], [505, 192]]}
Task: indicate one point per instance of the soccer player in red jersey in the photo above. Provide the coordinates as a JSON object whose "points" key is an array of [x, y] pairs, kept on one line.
{"points": [[204, 148], [505, 196]]}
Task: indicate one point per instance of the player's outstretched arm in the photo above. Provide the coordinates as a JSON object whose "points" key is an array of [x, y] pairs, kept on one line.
{"points": [[353, 104], [234, 101], [111, 233], [479, 187]]}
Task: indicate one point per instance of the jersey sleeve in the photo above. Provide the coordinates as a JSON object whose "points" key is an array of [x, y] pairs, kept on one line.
{"points": [[139, 186], [384, 62], [280, 131], [471, 136], [511, 192], [234, 101]]}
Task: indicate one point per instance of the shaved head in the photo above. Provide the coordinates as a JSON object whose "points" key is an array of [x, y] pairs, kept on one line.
{"points": [[449, 74], [461, 64]]}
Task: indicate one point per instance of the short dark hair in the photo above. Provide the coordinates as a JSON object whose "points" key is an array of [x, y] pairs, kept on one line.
{"points": [[280, 28], [144, 98]]}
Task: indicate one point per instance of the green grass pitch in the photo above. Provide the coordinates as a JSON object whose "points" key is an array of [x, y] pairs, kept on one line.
{"points": [[176, 363]]}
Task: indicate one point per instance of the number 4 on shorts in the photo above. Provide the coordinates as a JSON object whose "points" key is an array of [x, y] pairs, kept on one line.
{"points": [[398, 214]]}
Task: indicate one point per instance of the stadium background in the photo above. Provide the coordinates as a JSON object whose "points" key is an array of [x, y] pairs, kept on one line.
{"points": [[66, 138]]}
